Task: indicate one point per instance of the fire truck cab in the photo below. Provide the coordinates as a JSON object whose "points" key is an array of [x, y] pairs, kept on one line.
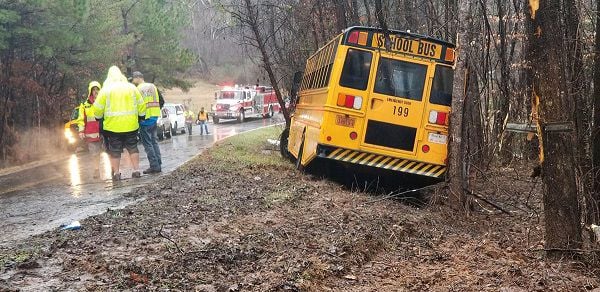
{"points": [[244, 102]]}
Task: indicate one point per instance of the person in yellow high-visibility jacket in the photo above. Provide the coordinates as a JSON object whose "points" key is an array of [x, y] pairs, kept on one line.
{"points": [[148, 128], [89, 127], [121, 106], [203, 121], [189, 119]]}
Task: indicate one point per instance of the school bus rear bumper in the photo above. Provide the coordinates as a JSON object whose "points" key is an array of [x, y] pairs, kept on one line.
{"points": [[382, 161]]}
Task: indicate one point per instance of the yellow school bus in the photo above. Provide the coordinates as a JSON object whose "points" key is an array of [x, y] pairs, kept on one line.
{"points": [[375, 98]]}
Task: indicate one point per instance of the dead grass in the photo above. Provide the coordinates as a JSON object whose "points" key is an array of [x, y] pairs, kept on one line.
{"points": [[200, 95]]}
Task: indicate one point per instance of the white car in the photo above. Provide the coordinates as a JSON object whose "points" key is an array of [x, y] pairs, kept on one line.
{"points": [[163, 125], [176, 116]]}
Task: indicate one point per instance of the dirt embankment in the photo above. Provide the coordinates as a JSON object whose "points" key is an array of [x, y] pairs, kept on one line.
{"points": [[239, 218]]}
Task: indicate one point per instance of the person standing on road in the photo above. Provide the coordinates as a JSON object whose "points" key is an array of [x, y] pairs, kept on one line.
{"points": [[203, 121], [89, 127], [148, 128], [189, 119], [121, 106]]}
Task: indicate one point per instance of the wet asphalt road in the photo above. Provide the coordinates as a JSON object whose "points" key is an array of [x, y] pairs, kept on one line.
{"points": [[41, 198]]}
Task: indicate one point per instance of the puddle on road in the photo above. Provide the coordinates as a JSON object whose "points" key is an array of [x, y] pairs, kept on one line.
{"points": [[75, 175]]}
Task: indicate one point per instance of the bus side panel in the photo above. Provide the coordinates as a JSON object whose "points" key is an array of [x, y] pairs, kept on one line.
{"points": [[306, 124]]}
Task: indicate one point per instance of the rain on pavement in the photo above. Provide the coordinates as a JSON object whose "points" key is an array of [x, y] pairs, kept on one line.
{"points": [[41, 198]]}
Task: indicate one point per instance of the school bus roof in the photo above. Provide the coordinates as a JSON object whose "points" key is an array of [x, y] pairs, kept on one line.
{"points": [[349, 30], [399, 42]]}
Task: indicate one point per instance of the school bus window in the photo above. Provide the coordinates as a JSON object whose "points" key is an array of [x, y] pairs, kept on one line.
{"points": [[357, 67], [400, 79], [441, 90]]}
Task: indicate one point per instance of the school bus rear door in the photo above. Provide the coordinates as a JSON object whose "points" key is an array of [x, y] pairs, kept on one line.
{"points": [[394, 112]]}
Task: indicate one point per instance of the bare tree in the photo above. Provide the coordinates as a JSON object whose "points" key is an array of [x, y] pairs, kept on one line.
{"points": [[249, 17]]}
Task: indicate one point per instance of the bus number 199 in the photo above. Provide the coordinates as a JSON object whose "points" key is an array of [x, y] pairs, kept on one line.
{"points": [[400, 111]]}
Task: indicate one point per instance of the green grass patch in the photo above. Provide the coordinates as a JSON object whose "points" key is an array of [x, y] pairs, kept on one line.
{"points": [[249, 149], [18, 256], [278, 197]]}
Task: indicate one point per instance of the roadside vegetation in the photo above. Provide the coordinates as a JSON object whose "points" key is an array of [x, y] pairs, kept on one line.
{"points": [[240, 218]]}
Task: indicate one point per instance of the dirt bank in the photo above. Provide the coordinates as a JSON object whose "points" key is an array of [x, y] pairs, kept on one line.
{"points": [[239, 218]]}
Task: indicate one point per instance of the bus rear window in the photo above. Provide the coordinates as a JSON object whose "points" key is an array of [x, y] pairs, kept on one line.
{"points": [[441, 90], [356, 69], [401, 79]]}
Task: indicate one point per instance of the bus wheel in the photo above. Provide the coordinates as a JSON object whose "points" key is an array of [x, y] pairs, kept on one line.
{"points": [[283, 144], [299, 165], [242, 117]]}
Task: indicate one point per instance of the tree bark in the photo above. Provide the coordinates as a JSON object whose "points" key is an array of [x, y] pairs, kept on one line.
{"points": [[340, 15], [594, 204], [561, 206], [380, 16], [456, 174]]}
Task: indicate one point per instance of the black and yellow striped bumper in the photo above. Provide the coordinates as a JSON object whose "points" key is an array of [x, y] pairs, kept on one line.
{"points": [[385, 162]]}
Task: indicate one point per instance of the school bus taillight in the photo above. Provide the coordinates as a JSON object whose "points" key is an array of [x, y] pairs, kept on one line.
{"points": [[358, 37], [438, 118], [349, 101], [425, 148]]}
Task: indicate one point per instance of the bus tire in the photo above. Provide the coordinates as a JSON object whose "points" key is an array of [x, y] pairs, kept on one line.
{"points": [[283, 144], [215, 120], [299, 165], [242, 117]]}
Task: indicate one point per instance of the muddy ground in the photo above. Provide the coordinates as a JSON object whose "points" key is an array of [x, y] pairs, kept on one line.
{"points": [[240, 218]]}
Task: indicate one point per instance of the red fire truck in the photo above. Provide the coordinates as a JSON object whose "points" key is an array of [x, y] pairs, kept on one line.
{"points": [[241, 102]]}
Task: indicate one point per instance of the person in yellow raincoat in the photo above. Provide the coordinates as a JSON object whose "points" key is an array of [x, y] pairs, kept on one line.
{"points": [[89, 127], [121, 106]]}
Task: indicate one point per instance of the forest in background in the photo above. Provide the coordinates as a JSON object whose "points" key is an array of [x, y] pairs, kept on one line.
{"points": [[50, 50], [520, 61]]}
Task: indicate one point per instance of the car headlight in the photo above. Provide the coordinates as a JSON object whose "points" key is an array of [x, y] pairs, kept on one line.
{"points": [[69, 136]]}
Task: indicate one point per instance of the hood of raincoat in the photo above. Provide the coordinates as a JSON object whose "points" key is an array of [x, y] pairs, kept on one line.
{"points": [[114, 76], [92, 85]]}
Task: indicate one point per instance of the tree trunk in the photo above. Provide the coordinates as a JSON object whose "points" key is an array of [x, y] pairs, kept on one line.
{"points": [[252, 21], [340, 15], [368, 11], [380, 16], [456, 175], [561, 206], [594, 205], [503, 98]]}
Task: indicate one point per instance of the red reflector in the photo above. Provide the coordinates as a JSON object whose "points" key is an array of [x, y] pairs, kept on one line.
{"points": [[349, 101], [425, 148], [353, 37], [441, 118], [353, 135], [328, 138]]}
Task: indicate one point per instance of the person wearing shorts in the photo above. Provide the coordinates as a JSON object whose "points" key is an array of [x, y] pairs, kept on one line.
{"points": [[121, 106]]}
